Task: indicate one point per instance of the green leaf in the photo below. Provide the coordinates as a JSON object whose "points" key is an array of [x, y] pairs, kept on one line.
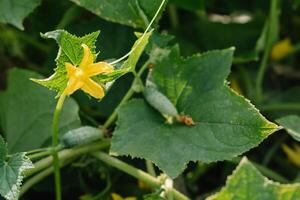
{"points": [[226, 124], [70, 50], [14, 11], [291, 124], [135, 13], [11, 170], [27, 111], [247, 182], [130, 64]]}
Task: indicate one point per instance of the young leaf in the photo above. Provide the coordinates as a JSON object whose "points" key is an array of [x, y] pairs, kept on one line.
{"points": [[14, 11], [226, 124], [291, 124], [247, 182], [135, 13], [70, 51], [27, 111], [130, 64], [11, 170]]}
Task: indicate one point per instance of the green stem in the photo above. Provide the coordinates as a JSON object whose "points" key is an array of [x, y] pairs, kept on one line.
{"points": [[68, 17], [173, 16], [150, 168], [137, 173], [38, 177], [127, 96], [272, 24], [40, 154], [55, 141], [113, 116], [67, 154]]}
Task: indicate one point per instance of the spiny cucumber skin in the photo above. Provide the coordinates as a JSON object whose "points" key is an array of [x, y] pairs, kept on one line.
{"points": [[81, 136], [160, 102]]}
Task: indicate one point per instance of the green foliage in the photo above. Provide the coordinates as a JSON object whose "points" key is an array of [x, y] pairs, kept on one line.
{"points": [[27, 110], [226, 123], [14, 11], [247, 182], [171, 108], [291, 124], [135, 13], [11, 172]]}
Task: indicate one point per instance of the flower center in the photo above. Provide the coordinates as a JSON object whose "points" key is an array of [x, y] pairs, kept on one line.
{"points": [[79, 73]]}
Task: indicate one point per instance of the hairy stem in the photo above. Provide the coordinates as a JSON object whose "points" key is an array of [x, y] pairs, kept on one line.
{"points": [[271, 30], [55, 125], [137, 173], [67, 154], [127, 96]]}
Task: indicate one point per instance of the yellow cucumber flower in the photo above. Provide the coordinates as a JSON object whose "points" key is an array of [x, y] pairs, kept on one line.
{"points": [[80, 77], [281, 49], [118, 197], [293, 154]]}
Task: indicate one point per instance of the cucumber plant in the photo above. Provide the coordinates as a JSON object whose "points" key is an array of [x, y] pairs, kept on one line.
{"points": [[175, 94]]}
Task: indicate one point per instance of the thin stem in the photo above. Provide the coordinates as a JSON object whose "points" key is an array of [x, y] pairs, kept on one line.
{"points": [[55, 125], [39, 177], [67, 154], [40, 154], [113, 116], [150, 168], [272, 24], [127, 96], [173, 16], [137, 173], [144, 34], [68, 17]]}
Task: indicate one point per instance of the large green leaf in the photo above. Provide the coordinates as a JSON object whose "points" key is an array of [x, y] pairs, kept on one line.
{"points": [[247, 182], [226, 124], [291, 124], [135, 13], [27, 111], [11, 169], [14, 11]]}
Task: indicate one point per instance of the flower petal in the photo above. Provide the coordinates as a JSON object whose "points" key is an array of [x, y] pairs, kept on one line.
{"points": [[116, 196], [87, 57], [73, 85], [292, 155], [70, 69], [98, 68], [93, 89]]}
